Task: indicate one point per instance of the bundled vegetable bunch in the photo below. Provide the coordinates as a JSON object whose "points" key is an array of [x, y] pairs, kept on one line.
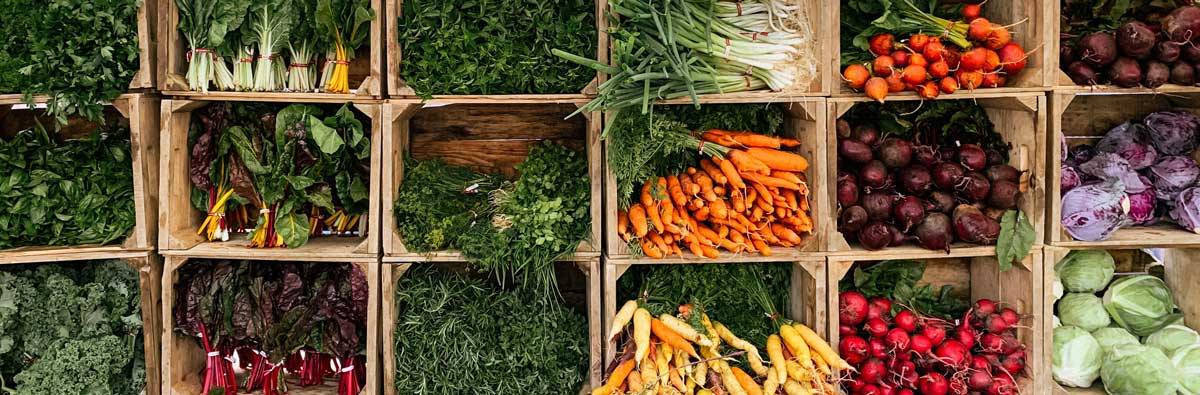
{"points": [[1138, 173], [457, 332], [280, 175], [939, 55], [253, 34], [932, 175], [62, 191], [78, 53], [1132, 338], [275, 319], [907, 353], [511, 227], [668, 50], [683, 354], [73, 329], [1153, 46], [454, 47]]}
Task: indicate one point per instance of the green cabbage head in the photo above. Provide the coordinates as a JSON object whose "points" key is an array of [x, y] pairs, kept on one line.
{"points": [[1085, 270], [1187, 361], [1172, 337], [1077, 357], [1134, 369], [1142, 304], [1083, 310], [1112, 336]]}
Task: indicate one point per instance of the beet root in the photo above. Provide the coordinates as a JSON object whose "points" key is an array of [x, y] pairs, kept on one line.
{"points": [[1167, 51], [1125, 72], [875, 235], [1082, 74], [1183, 24], [1157, 74], [1003, 195], [947, 175], [916, 179], [1135, 39], [941, 202], [895, 153], [935, 232], [974, 187], [865, 134], [851, 220], [972, 157], [878, 206], [970, 225], [1098, 49], [908, 211], [847, 191], [1182, 73], [1190, 53], [855, 151], [873, 175], [1003, 172], [898, 237]]}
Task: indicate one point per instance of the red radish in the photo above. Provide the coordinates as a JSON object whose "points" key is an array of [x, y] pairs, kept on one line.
{"points": [[1012, 58], [1013, 363], [974, 60], [847, 330], [917, 60], [905, 391], [952, 353], [887, 389], [1010, 343], [900, 56], [971, 11], [996, 324], [980, 363], [934, 52], [933, 383], [883, 65], [991, 343], [882, 44], [1002, 385], [894, 83], [920, 344], [897, 339], [939, 69], [948, 85], [983, 308], [965, 336], [879, 308], [852, 308], [970, 79], [928, 90], [914, 74], [998, 37], [906, 374], [856, 75], [935, 332], [906, 320], [870, 389], [958, 386], [871, 371], [855, 386], [978, 29], [853, 349], [1010, 316], [876, 327], [877, 348], [877, 88], [918, 41], [979, 380]]}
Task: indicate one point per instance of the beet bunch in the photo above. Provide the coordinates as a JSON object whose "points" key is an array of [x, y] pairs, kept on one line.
{"points": [[1148, 53]]}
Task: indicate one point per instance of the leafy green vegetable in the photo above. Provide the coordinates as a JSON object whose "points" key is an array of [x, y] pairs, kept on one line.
{"points": [[897, 280], [495, 47], [71, 192], [456, 333], [862, 19], [71, 329], [204, 24], [80, 53], [344, 25], [1016, 238], [438, 202]]}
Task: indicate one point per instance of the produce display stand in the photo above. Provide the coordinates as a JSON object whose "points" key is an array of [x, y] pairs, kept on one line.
{"points": [[1179, 272], [974, 276], [150, 268], [1020, 118], [366, 73], [1033, 25], [183, 357], [1084, 117], [391, 272], [805, 120], [179, 220], [397, 88], [490, 138], [140, 112], [807, 302]]}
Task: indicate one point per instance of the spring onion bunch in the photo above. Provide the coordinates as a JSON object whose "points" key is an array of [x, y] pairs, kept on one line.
{"points": [[685, 48]]}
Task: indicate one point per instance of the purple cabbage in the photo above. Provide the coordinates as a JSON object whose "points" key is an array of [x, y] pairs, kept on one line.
{"points": [[1112, 167], [1069, 178], [1129, 141], [1142, 205], [1081, 153], [1186, 212], [1173, 174], [1092, 212], [1173, 132]]}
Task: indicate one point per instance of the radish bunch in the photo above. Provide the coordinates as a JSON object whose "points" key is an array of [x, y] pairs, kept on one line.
{"points": [[905, 353]]}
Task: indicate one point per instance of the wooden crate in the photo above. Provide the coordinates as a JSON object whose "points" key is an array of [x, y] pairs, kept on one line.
{"points": [[392, 272], [1021, 288], [149, 267], [1020, 118], [140, 113], [490, 138], [1179, 273], [804, 119], [806, 304], [365, 70], [183, 357], [1081, 117], [178, 220], [397, 88], [1035, 30]]}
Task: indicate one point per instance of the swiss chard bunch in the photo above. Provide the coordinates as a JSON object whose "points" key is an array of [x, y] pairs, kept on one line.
{"points": [[65, 192], [345, 26]]}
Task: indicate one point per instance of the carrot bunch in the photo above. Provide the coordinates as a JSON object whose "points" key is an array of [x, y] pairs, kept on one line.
{"points": [[753, 198]]}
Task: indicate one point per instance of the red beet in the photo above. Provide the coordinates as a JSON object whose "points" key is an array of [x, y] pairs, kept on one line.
{"points": [[1082, 74], [851, 220], [1156, 74], [847, 330], [1167, 51], [855, 151], [952, 353], [972, 157], [898, 237], [1135, 39], [908, 211], [1182, 73], [941, 202], [875, 236], [958, 385], [876, 327], [843, 128], [1191, 53], [1125, 72], [965, 335], [847, 191], [979, 380], [1003, 172], [970, 225], [1098, 49], [916, 179], [935, 232], [991, 343], [1003, 194], [946, 175], [1013, 363], [980, 363], [878, 206], [973, 187], [905, 373], [866, 134], [1183, 24], [1010, 316], [895, 153], [877, 348], [1002, 385], [853, 349], [925, 154], [1009, 342], [852, 308], [873, 174], [870, 389]]}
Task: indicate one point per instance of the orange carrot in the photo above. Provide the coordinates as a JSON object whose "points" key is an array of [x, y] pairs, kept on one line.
{"points": [[676, 190], [650, 249], [702, 213], [666, 213], [739, 201], [706, 187], [722, 230], [761, 247], [696, 204], [693, 245], [655, 217], [719, 210], [623, 225], [746, 139], [785, 234], [713, 171], [765, 205], [659, 242], [751, 195], [747, 164], [803, 201], [637, 217], [770, 181], [779, 160], [730, 173], [719, 190], [787, 175], [710, 252], [790, 196], [689, 185], [761, 190], [620, 373], [746, 382], [732, 223], [691, 171], [756, 214], [673, 339]]}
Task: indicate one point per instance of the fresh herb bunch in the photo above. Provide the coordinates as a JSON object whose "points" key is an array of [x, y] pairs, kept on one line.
{"points": [[496, 47], [438, 203], [71, 329], [897, 280], [80, 53], [458, 333], [721, 290], [641, 146], [941, 122], [67, 192]]}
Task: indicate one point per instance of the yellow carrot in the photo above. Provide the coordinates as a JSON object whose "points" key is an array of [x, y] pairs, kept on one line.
{"points": [[775, 352], [641, 333], [621, 319], [684, 330], [795, 344], [821, 347], [792, 387], [756, 362]]}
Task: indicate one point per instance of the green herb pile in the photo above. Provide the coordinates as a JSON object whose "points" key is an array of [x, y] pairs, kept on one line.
{"points": [[515, 228], [495, 47], [897, 280], [68, 192], [642, 146], [71, 329], [456, 333], [724, 291], [78, 52]]}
